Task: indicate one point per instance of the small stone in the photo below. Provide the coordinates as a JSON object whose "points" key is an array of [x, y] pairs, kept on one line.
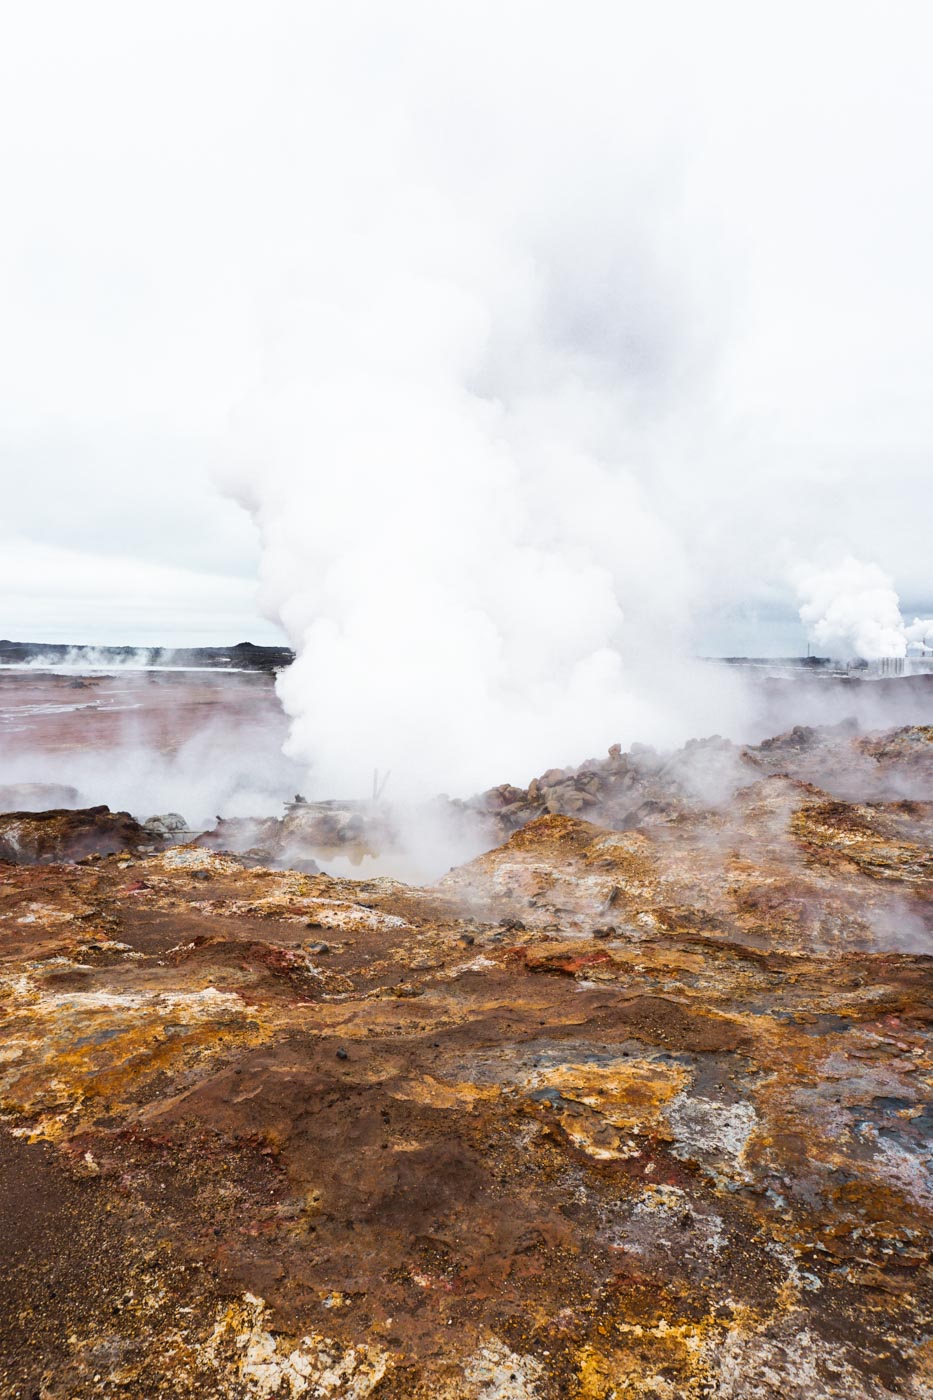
{"points": [[318, 947], [342, 1054]]}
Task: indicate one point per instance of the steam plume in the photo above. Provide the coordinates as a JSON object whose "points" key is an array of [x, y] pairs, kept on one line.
{"points": [[531, 400], [852, 609]]}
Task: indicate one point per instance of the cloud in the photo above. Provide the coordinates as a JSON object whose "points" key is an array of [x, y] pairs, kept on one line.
{"points": [[63, 595]]}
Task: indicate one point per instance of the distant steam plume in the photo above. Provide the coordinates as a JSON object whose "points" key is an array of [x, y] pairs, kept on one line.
{"points": [[852, 609]]}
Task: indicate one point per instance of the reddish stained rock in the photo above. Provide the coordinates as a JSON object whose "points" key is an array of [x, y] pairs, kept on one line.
{"points": [[695, 1163], [564, 963], [42, 838]]}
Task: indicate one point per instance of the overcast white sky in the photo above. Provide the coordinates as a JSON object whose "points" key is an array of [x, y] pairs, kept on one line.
{"points": [[731, 205]]}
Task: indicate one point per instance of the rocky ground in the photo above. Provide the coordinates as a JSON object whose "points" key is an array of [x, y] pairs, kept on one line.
{"points": [[639, 1103]]}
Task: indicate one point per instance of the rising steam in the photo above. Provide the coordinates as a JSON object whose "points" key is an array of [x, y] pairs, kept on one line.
{"points": [[446, 464], [530, 401], [471, 588], [852, 609]]}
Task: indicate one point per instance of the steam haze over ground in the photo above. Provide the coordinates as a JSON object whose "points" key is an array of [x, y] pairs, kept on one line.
{"points": [[544, 354], [208, 744]]}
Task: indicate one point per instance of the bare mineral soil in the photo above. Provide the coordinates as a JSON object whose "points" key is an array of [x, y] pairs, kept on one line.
{"points": [[48, 712], [638, 1103]]}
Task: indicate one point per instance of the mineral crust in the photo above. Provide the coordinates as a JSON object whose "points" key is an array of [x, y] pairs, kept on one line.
{"points": [[633, 1106]]}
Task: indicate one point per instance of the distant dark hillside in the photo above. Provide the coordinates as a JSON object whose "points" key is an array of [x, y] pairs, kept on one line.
{"points": [[242, 656]]}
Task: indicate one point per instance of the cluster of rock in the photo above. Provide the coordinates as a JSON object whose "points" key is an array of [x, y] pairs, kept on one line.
{"points": [[170, 826], [642, 786], [65, 834], [62, 835], [623, 790], [639, 788], [351, 829]]}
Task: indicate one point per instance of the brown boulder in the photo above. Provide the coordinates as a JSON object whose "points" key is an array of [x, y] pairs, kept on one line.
{"points": [[61, 836]]}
